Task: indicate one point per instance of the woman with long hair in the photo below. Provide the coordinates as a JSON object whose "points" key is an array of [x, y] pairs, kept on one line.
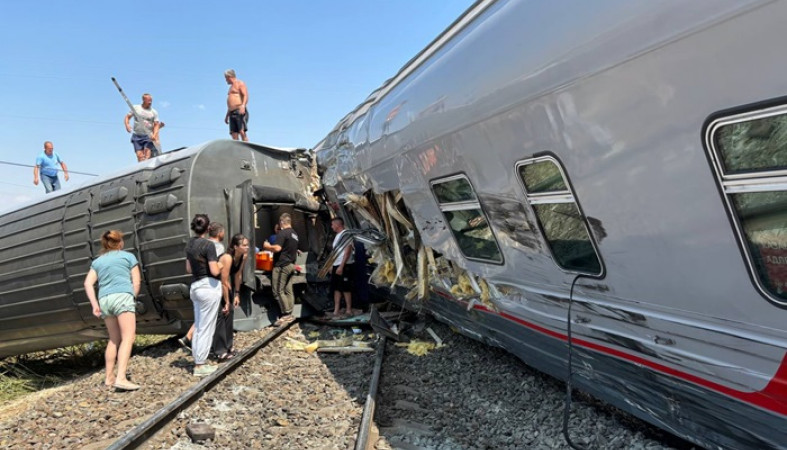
{"points": [[205, 292], [231, 263], [117, 273]]}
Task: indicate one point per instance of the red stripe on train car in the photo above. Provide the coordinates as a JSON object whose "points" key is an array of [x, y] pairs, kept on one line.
{"points": [[772, 398]]}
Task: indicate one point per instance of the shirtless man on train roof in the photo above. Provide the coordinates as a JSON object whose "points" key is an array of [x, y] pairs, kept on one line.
{"points": [[237, 114]]}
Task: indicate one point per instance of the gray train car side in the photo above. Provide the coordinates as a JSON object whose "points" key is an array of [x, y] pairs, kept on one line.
{"points": [[46, 247], [615, 173]]}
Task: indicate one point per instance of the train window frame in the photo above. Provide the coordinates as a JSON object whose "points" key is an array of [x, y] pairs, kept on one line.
{"points": [[556, 197], [466, 205], [735, 186]]}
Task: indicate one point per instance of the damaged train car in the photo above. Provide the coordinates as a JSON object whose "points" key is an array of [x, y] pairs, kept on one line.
{"points": [[600, 189], [46, 247]]}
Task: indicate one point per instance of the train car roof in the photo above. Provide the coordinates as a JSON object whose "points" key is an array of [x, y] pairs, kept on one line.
{"points": [[460, 23], [150, 164]]}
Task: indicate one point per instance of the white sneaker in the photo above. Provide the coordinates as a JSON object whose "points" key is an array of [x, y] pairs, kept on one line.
{"points": [[204, 370]]}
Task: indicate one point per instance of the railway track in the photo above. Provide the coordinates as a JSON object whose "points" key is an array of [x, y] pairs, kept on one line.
{"points": [[275, 395], [141, 433], [221, 398]]}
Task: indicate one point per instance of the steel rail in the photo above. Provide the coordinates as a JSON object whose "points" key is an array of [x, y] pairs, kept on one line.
{"points": [[362, 443], [144, 431]]}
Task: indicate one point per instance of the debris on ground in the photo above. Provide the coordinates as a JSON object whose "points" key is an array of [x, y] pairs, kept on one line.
{"points": [[437, 340], [418, 348], [339, 341], [199, 432]]}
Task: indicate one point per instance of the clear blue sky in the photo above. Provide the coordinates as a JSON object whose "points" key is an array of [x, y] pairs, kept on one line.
{"points": [[306, 63]]}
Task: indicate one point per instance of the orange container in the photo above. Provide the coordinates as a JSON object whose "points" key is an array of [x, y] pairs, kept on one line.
{"points": [[264, 261]]}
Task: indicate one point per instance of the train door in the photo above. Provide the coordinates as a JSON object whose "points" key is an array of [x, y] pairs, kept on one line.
{"points": [[240, 219], [117, 205], [252, 313], [254, 211]]}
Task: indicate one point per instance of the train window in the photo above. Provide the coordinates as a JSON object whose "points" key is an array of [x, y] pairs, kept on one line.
{"points": [[541, 177], [466, 219], [456, 190], [763, 217], [562, 223], [749, 153], [753, 145]]}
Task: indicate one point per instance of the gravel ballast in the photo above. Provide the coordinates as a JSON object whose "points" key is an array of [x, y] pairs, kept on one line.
{"points": [[464, 395]]}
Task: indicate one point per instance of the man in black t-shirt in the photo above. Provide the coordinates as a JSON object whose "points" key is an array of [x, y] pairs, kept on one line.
{"points": [[285, 252]]}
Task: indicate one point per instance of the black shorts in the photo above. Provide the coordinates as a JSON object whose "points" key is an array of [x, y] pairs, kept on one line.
{"points": [[239, 122], [343, 282]]}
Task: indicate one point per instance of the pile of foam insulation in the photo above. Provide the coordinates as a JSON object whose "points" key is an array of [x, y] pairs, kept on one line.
{"points": [[404, 261], [417, 348]]}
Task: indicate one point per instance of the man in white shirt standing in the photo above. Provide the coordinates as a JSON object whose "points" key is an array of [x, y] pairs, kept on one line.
{"points": [[341, 276], [146, 126]]}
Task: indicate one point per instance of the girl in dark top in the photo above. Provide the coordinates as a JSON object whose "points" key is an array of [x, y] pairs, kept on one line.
{"points": [[205, 293], [231, 263]]}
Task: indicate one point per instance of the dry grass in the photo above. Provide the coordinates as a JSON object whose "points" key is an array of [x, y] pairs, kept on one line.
{"points": [[34, 372]]}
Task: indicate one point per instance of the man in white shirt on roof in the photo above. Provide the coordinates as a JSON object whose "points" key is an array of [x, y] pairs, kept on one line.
{"points": [[146, 126]]}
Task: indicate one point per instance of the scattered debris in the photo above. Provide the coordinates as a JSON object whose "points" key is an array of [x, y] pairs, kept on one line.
{"points": [[382, 326], [200, 431], [294, 344], [341, 342], [437, 340], [344, 343], [417, 348], [345, 350]]}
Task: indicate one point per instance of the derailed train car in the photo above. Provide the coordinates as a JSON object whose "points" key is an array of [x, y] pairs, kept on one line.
{"points": [[599, 188], [46, 247]]}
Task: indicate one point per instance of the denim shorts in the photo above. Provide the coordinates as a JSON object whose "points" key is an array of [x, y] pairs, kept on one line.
{"points": [[142, 142], [116, 304]]}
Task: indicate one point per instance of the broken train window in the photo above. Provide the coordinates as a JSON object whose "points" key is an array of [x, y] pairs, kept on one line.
{"points": [[561, 221], [466, 219], [749, 156]]}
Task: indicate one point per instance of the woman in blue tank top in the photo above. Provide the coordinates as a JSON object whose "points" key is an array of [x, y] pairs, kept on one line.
{"points": [[117, 273]]}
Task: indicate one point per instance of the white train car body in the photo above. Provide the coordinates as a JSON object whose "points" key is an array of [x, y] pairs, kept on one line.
{"points": [[617, 173]]}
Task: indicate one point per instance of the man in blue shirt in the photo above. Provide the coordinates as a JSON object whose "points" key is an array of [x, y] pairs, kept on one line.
{"points": [[46, 164]]}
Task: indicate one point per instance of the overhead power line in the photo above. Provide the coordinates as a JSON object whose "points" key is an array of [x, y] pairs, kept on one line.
{"points": [[30, 165], [19, 185], [101, 122]]}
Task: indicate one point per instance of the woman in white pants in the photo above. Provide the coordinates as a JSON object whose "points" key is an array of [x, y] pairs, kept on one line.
{"points": [[205, 293]]}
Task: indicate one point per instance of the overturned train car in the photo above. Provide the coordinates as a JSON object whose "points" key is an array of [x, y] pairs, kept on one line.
{"points": [[604, 196], [46, 247]]}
